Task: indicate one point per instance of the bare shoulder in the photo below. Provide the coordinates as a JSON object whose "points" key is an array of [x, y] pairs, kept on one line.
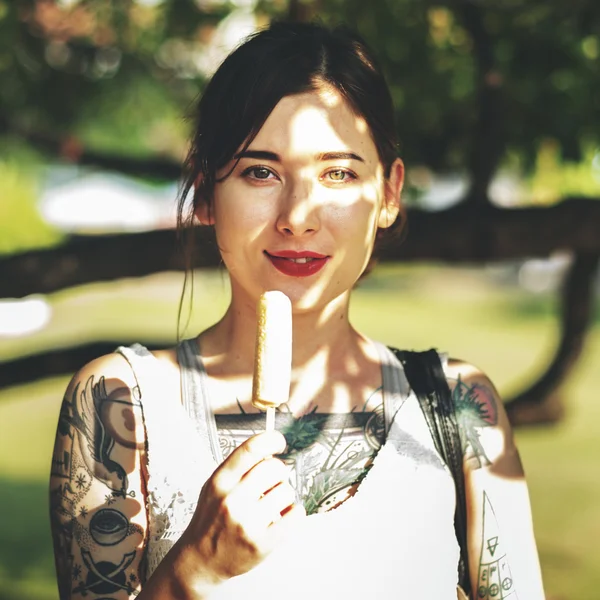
{"points": [[116, 365], [113, 368], [119, 378], [100, 414], [487, 435]]}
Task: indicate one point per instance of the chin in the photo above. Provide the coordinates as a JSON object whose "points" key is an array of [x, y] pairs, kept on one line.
{"points": [[314, 299]]}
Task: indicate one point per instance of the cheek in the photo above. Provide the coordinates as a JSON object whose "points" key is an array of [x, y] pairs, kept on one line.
{"points": [[356, 213], [240, 211]]}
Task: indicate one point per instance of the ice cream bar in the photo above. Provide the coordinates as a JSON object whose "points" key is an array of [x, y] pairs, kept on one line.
{"points": [[273, 356]]}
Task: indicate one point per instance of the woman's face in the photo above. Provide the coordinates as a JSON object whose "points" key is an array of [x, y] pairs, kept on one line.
{"points": [[300, 211]]}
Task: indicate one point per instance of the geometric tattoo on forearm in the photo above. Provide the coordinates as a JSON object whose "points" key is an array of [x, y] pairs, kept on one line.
{"points": [[495, 580]]}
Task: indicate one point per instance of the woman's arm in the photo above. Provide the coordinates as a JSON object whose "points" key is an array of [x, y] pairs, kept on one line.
{"points": [[503, 557], [98, 500], [97, 491]]}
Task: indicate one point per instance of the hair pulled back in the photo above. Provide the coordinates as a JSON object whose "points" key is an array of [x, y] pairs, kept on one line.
{"points": [[282, 60]]}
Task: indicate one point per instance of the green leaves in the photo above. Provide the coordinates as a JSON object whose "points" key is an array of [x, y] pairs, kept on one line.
{"points": [[73, 69]]}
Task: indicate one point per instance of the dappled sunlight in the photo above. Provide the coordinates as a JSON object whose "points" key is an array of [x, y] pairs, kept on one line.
{"points": [[557, 460], [495, 446], [328, 95], [76, 109], [339, 382], [347, 379], [361, 125], [321, 189], [310, 181]]}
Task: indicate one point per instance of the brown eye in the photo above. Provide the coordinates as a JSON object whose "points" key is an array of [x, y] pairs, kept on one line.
{"points": [[259, 172]]}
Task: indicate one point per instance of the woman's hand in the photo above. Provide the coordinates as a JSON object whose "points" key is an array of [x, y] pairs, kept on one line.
{"points": [[245, 509]]}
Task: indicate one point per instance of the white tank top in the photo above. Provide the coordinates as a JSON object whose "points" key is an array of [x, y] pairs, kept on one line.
{"points": [[394, 539]]}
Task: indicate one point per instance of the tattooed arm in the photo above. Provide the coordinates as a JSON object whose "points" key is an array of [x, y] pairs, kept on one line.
{"points": [[98, 499], [97, 502], [98, 495], [502, 551]]}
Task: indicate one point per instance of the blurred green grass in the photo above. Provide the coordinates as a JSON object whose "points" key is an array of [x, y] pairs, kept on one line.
{"points": [[21, 225], [458, 310]]}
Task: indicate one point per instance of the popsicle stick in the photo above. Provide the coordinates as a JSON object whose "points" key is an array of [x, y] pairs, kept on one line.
{"points": [[270, 426]]}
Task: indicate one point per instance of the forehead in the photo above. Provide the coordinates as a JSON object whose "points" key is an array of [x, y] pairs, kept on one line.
{"points": [[304, 125]]}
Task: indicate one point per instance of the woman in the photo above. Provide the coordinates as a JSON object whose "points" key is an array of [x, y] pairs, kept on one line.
{"points": [[163, 482]]}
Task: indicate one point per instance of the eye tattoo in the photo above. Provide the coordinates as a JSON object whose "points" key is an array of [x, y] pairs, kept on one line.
{"points": [[108, 527]]}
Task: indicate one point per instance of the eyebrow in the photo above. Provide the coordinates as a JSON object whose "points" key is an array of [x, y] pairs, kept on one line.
{"points": [[323, 156]]}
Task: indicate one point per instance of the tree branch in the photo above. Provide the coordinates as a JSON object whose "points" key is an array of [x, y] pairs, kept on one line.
{"points": [[541, 403], [62, 361], [100, 258], [456, 235], [71, 150]]}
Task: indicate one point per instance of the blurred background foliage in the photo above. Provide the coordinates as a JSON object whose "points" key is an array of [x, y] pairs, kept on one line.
{"points": [[70, 68], [515, 80], [118, 76]]}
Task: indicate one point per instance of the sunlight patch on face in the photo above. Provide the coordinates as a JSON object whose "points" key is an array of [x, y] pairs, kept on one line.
{"points": [[361, 125], [310, 131], [313, 294], [370, 189], [301, 206]]}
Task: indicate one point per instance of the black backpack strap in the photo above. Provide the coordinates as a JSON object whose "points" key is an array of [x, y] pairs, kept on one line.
{"points": [[427, 379]]}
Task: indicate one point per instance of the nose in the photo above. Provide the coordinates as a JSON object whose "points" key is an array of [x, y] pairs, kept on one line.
{"points": [[298, 212]]}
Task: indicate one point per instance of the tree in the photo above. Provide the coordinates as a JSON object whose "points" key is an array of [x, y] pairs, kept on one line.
{"points": [[477, 86]]}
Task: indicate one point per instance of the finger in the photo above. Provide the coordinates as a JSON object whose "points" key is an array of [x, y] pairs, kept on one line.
{"points": [[278, 501], [262, 477], [260, 497], [244, 457]]}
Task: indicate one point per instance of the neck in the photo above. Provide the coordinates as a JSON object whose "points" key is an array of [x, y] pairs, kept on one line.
{"points": [[318, 336]]}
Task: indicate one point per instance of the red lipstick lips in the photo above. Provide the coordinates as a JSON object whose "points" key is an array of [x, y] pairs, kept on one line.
{"points": [[297, 264]]}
